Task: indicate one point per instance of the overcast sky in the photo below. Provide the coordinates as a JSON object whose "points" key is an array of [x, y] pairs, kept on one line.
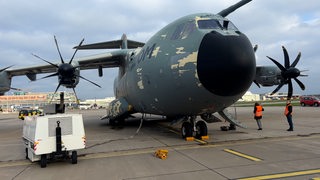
{"points": [[29, 26]]}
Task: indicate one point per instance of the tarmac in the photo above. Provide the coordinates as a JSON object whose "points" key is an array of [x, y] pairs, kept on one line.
{"points": [[129, 152]]}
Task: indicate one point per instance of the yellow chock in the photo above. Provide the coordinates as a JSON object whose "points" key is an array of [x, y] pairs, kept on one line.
{"points": [[204, 137], [161, 153], [189, 138]]}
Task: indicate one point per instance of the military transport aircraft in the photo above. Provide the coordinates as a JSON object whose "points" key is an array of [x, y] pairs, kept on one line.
{"points": [[197, 65]]}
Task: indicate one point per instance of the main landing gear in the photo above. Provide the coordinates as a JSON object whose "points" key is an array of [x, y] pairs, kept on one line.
{"points": [[193, 128]]}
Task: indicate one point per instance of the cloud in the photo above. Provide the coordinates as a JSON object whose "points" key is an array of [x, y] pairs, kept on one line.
{"points": [[28, 27]]}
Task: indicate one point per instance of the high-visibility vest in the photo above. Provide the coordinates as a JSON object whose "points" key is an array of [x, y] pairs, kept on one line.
{"points": [[286, 110], [258, 111]]}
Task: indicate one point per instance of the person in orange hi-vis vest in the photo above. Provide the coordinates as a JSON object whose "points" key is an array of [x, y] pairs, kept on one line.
{"points": [[288, 114], [257, 111]]}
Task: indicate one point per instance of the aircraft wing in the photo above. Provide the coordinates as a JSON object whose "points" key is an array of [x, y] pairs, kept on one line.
{"points": [[105, 60]]}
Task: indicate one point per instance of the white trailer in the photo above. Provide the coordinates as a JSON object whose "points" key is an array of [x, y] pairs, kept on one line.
{"points": [[53, 136]]}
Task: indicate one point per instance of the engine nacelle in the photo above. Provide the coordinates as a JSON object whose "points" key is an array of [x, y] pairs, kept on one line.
{"points": [[5, 82], [268, 75]]}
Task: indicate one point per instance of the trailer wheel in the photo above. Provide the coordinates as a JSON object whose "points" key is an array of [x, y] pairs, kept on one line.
{"points": [[27, 157], [43, 161], [74, 157]]}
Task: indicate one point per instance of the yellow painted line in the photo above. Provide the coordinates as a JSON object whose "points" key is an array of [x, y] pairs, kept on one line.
{"points": [[117, 154], [15, 163], [282, 175], [175, 132], [242, 155], [317, 178], [201, 141]]}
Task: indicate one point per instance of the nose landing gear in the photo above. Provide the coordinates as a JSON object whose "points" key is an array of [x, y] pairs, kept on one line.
{"points": [[193, 128]]}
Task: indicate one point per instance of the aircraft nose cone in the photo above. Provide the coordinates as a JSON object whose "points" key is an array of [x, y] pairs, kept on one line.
{"points": [[226, 64]]}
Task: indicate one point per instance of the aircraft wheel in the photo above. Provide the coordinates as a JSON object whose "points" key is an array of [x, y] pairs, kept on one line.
{"points": [[186, 130], [43, 161], [202, 129], [74, 157]]}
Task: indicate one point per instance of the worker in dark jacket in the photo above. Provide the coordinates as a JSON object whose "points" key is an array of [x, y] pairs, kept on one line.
{"points": [[288, 114], [258, 114]]}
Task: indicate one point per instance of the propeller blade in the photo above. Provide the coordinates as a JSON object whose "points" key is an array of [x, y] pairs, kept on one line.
{"points": [[76, 51], [295, 62], [6, 68], [16, 89], [51, 75], [55, 40], [256, 83], [278, 64], [290, 90], [286, 57], [300, 84], [277, 89], [45, 60], [89, 81], [74, 91], [255, 48], [55, 92]]}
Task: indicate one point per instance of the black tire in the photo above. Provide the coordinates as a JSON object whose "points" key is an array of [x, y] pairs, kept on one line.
{"points": [[303, 104], [74, 157], [186, 130], [202, 129], [43, 161], [27, 157], [316, 104]]}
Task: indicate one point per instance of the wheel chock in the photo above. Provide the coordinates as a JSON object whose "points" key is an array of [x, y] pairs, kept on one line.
{"points": [[189, 138], [204, 137], [161, 153]]}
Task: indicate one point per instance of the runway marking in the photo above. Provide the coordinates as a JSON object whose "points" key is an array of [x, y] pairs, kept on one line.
{"points": [[15, 163], [202, 142], [118, 154], [242, 155], [151, 150], [282, 175]]}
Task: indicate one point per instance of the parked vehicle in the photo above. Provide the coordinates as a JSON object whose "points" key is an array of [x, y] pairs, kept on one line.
{"points": [[51, 137], [23, 113], [28, 112], [309, 100], [85, 106]]}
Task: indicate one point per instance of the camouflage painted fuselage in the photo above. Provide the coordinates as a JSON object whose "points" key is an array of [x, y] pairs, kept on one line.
{"points": [[197, 64]]}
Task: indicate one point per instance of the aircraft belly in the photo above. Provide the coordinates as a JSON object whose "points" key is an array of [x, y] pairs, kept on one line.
{"points": [[172, 88]]}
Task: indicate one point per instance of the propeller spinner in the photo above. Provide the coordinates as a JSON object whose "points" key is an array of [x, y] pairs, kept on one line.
{"points": [[288, 72], [66, 71]]}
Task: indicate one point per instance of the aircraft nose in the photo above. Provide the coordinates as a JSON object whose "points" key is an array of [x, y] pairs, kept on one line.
{"points": [[226, 64]]}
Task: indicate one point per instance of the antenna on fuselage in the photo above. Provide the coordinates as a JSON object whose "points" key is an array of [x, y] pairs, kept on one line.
{"points": [[232, 8]]}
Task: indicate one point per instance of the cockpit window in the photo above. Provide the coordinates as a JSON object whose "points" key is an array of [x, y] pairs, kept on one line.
{"points": [[214, 24], [183, 30], [209, 24], [228, 25]]}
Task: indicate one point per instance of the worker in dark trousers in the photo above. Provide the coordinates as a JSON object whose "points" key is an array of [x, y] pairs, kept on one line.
{"points": [[288, 114], [258, 114]]}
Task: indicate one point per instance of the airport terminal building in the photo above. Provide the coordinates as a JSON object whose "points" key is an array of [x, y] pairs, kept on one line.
{"points": [[34, 100]]}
